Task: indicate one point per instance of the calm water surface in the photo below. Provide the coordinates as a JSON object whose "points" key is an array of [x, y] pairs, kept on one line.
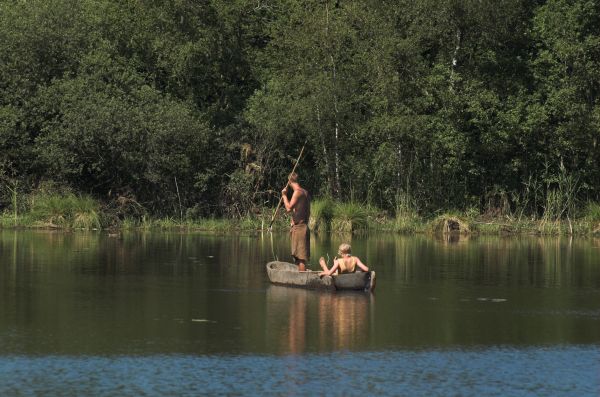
{"points": [[193, 314]]}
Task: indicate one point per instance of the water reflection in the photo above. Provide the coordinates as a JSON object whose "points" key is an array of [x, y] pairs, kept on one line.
{"points": [[86, 293], [344, 318], [451, 238], [300, 320]]}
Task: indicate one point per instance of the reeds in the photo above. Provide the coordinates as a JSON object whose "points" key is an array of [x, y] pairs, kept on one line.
{"points": [[247, 223], [321, 214], [450, 223], [70, 211], [592, 215], [407, 219], [65, 211], [349, 217], [592, 211]]}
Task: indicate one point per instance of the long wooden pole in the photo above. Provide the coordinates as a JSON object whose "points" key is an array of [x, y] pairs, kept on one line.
{"points": [[286, 185]]}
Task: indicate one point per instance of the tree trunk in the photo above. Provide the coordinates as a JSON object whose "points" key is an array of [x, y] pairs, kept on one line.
{"points": [[325, 154], [337, 185], [454, 57]]}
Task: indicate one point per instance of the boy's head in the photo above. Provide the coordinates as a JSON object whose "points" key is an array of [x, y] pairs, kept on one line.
{"points": [[344, 249]]}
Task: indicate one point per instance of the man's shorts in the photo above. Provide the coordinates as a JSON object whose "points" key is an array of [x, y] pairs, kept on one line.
{"points": [[300, 236]]}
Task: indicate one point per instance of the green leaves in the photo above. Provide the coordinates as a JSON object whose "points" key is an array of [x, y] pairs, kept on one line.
{"points": [[104, 138], [439, 101]]}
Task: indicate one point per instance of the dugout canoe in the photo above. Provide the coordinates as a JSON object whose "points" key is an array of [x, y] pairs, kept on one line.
{"points": [[284, 273]]}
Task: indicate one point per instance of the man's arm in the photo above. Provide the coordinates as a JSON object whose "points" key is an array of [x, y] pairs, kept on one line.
{"points": [[289, 204]]}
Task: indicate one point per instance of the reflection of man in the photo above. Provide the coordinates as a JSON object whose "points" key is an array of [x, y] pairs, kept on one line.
{"points": [[297, 328], [299, 206]]}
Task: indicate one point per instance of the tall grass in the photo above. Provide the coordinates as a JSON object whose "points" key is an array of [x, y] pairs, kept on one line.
{"points": [[451, 222], [67, 211], [247, 223], [70, 211], [592, 211], [129, 223], [561, 199], [349, 217], [321, 214], [407, 219], [14, 200], [592, 215]]}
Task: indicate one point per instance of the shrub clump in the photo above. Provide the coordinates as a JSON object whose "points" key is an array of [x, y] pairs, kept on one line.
{"points": [[321, 214], [592, 214], [447, 223], [65, 210], [349, 217]]}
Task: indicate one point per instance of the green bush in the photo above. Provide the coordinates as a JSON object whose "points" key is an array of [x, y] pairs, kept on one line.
{"points": [[450, 223], [66, 210], [592, 211], [349, 217], [321, 214], [406, 224], [407, 218]]}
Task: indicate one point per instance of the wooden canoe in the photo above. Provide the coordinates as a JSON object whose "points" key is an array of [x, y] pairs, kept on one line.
{"points": [[284, 273]]}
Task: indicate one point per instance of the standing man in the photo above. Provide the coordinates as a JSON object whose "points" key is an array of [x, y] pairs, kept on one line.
{"points": [[299, 206]]}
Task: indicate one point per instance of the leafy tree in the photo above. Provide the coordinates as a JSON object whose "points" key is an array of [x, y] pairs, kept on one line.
{"points": [[564, 117], [446, 103]]}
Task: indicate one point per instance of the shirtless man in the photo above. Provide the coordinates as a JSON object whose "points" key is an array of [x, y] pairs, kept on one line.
{"points": [[299, 206]]}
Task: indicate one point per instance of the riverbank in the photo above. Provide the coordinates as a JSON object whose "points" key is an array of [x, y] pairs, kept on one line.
{"points": [[83, 213], [8, 221]]}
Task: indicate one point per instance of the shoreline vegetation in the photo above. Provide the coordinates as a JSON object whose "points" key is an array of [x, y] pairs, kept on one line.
{"points": [[460, 117], [81, 212]]}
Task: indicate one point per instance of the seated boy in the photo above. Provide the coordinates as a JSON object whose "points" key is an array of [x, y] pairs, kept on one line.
{"points": [[345, 264]]}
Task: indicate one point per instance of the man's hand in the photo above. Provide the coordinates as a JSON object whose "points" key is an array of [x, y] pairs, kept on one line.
{"points": [[284, 191]]}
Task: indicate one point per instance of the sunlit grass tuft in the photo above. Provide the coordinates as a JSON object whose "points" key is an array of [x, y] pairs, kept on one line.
{"points": [[450, 223], [349, 217], [592, 211], [321, 214], [68, 211]]}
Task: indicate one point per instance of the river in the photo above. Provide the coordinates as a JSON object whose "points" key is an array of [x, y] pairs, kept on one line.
{"points": [[194, 314]]}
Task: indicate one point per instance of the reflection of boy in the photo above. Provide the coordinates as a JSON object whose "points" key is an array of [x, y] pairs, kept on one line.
{"points": [[345, 264], [299, 206]]}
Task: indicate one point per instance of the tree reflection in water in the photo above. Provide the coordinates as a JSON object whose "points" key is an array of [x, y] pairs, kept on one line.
{"points": [[342, 318]]}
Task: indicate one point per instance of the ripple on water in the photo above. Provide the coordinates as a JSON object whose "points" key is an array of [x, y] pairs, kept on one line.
{"points": [[539, 371]]}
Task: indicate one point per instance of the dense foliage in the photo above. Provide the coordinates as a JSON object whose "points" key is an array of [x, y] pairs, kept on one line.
{"points": [[200, 107]]}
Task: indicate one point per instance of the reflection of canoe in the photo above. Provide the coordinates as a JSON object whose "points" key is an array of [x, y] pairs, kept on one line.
{"points": [[285, 273]]}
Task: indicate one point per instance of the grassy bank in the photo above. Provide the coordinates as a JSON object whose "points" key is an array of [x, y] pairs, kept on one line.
{"points": [[80, 212], [328, 215], [28, 221]]}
